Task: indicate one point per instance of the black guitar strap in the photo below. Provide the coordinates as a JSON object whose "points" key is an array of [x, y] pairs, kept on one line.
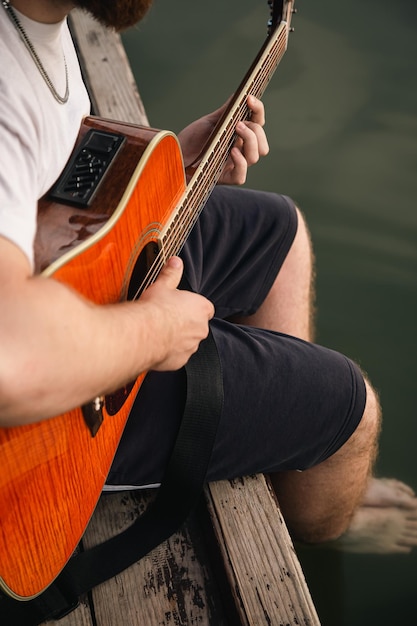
{"points": [[178, 494]]}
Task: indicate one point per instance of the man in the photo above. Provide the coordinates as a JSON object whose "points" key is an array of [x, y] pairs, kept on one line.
{"points": [[301, 412]]}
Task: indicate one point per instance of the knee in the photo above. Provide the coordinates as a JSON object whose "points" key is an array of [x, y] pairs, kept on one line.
{"points": [[370, 424]]}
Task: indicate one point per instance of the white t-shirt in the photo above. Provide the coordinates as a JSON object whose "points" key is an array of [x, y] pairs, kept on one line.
{"points": [[37, 134]]}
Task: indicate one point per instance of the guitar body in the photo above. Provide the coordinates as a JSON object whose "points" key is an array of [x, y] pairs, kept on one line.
{"points": [[44, 504]]}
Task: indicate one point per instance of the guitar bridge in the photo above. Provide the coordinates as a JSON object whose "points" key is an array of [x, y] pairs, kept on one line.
{"points": [[93, 414], [86, 168]]}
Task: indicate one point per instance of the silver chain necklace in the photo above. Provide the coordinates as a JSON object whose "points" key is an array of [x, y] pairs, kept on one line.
{"points": [[29, 45]]}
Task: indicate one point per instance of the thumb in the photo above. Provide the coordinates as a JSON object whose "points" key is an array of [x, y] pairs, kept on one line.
{"points": [[171, 272]]}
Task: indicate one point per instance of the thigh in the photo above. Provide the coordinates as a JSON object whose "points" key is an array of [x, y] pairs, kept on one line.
{"points": [[237, 247], [288, 404]]}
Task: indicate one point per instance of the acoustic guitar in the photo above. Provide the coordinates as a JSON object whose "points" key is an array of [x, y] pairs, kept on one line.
{"points": [[121, 208]]}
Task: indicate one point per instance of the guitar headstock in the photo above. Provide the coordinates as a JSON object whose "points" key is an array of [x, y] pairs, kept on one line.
{"points": [[281, 11]]}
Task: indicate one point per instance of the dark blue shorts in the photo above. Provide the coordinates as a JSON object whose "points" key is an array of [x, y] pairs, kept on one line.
{"points": [[288, 404]]}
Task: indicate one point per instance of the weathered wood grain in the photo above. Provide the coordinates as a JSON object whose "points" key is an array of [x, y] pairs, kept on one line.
{"points": [[262, 567], [171, 585], [107, 71]]}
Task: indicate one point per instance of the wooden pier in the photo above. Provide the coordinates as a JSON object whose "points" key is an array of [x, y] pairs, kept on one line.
{"points": [[233, 562]]}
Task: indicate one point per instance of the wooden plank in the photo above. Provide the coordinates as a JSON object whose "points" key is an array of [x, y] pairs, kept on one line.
{"points": [[261, 564], [173, 584], [106, 71]]}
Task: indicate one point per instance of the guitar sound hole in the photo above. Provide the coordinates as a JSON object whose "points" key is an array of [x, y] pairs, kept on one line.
{"points": [[116, 400], [142, 267]]}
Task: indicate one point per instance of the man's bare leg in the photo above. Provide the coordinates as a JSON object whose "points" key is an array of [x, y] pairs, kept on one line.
{"points": [[289, 306], [319, 503], [374, 515]]}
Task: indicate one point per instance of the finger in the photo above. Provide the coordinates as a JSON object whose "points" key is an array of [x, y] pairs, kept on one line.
{"points": [[257, 110], [250, 147], [171, 272], [239, 168], [210, 310], [263, 146]]}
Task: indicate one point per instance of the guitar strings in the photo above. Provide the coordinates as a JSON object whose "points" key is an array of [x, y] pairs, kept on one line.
{"points": [[174, 241]]}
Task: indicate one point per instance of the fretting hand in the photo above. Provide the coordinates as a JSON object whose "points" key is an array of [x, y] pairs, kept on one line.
{"points": [[250, 145]]}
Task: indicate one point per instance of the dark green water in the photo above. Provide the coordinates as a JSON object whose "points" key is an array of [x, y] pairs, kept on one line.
{"points": [[342, 128]]}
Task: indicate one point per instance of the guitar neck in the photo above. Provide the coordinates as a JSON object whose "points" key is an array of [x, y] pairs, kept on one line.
{"points": [[211, 164]]}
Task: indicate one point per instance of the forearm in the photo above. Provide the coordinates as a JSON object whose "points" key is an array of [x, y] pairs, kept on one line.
{"points": [[59, 351]]}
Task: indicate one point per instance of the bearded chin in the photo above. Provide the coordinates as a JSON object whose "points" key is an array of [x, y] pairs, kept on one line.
{"points": [[116, 14]]}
